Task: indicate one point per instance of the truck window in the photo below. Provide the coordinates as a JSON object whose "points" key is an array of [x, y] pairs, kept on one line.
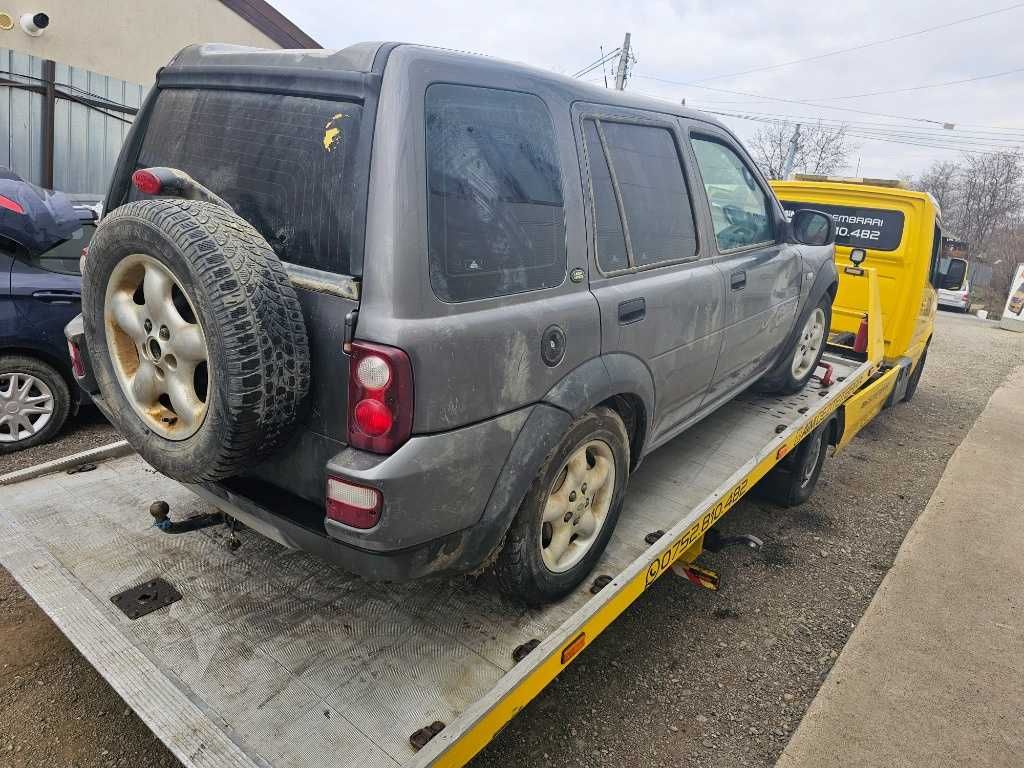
{"points": [[876, 228], [740, 209], [936, 262], [495, 216], [286, 164]]}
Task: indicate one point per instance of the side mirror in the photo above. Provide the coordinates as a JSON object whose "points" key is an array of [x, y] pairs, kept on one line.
{"points": [[810, 227]]}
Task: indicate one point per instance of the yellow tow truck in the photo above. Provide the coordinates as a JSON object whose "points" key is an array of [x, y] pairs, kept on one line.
{"points": [[237, 652], [895, 233]]}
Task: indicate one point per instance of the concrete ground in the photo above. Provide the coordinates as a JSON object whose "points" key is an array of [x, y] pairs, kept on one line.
{"points": [[932, 675], [685, 677]]}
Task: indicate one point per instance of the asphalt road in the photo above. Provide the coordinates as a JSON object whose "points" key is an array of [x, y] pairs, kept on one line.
{"points": [[685, 677]]}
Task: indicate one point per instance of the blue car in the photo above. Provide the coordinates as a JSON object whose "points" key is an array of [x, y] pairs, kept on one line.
{"points": [[42, 235]]}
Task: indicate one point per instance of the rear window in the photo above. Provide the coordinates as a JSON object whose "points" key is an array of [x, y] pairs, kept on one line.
{"points": [[496, 222], [953, 272], [876, 228], [286, 164]]}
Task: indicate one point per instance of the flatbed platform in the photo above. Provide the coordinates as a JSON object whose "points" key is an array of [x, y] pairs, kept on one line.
{"points": [[275, 658]]}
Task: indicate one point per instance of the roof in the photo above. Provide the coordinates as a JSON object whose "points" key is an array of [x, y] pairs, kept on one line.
{"points": [[272, 23], [364, 58]]}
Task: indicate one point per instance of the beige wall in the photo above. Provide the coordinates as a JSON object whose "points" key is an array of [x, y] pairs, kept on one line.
{"points": [[129, 39]]}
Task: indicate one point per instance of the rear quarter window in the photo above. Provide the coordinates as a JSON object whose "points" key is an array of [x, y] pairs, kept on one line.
{"points": [[286, 164], [495, 217]]}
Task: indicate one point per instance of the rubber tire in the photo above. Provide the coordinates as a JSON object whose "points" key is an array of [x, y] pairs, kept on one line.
{"points": [[782, 485], [780, 380], [915, 376], [251, 317], [519, 568], [61, 397]]}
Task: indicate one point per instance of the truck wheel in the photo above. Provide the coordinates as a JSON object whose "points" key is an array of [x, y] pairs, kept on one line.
{"points": [[34, 402], [798, 364], [915, 377], [792, 481], [196, 336], [567, 518]]}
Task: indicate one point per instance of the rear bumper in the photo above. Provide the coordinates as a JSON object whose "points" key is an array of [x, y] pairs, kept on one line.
{"points": [[436, 489], [396, 565], [953, 299]]}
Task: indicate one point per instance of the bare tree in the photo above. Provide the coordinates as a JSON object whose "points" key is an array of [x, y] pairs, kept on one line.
{"points": [[819, 149], [941, 180], [980, 196]]}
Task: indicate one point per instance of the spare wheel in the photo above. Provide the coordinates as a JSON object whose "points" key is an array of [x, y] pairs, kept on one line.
{"points": [[195, 335]]}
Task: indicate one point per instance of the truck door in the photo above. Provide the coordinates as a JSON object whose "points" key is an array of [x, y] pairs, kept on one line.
{"points": [[661, 297], [762, 273]]}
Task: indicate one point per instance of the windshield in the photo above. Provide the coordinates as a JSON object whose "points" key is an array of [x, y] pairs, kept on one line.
{"points": [[954, 273], [286, 164]]}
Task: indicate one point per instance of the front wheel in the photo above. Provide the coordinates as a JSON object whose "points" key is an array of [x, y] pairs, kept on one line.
{"points": [[799, 362], [568, 516], [34, 402], [915, 377]]}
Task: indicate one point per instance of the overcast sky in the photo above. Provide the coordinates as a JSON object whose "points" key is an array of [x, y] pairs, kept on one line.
{"points": [[690, 40]]}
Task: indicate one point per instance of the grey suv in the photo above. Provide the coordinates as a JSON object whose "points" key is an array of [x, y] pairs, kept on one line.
{"points": [[421, 311]]}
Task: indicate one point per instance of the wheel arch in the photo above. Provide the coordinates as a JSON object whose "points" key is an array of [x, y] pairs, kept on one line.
{"points": [[63, 367]]}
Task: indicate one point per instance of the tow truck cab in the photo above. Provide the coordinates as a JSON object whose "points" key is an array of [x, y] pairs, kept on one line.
{"points": [[896, 232]]}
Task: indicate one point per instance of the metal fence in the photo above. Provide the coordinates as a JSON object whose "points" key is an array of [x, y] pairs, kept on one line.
{"points": [[63, 126]]}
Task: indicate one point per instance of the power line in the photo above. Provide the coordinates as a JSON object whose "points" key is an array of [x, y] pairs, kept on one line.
{"points": [[597, 63], [925, 130], [790, 101], [887, 138], [860, 47], [921, 87]]}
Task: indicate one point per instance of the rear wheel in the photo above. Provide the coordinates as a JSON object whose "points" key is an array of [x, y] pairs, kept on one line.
{"points": [[34, 402], [792, 481], [567, 518], [915, 377]]}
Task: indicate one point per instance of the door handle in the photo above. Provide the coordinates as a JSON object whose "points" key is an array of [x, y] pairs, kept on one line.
{"points": [[738, 280], [57, 297], [632, 311]]}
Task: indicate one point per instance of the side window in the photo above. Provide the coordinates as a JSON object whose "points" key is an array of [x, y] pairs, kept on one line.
{"points": [[935, 271], [495, 218], [65, 257], [647, 176], [611, 241], [740, 209]]}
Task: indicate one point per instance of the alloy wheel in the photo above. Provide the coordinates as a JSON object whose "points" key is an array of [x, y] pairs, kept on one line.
{"points": [[157, 346], [26, 406], [809, 344]]}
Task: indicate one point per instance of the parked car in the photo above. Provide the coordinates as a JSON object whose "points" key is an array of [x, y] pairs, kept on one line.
{"points": [[422, 311], [955, 286], [42, 234]]}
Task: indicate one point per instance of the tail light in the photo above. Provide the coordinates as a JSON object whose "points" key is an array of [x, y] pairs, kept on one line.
{"points": [[10, 205], [146, 182], [380, 397], [351, 504], [77, 364]]}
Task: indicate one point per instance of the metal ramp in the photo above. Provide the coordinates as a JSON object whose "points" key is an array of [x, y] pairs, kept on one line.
{"points": [[276, 658]]}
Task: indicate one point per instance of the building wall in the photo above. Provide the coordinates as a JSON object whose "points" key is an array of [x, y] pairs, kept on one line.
{"points": [[126, 39], [86, 140]]}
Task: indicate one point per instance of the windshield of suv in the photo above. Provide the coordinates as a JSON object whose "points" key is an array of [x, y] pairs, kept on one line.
{"points": [[284, 163]]}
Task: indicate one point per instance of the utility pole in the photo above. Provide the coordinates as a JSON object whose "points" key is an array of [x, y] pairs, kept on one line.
{"points": [[620, 73], [787, 166]]}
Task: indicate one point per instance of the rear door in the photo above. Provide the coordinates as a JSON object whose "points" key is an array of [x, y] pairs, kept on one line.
{"points": [[661, 297], [762, 273]]}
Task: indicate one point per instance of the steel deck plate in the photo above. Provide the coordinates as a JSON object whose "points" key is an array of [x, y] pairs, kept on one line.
{"points": [[273, 657]]}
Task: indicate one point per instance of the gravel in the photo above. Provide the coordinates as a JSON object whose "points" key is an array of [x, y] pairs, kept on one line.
{"points": [[685, 677]]}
